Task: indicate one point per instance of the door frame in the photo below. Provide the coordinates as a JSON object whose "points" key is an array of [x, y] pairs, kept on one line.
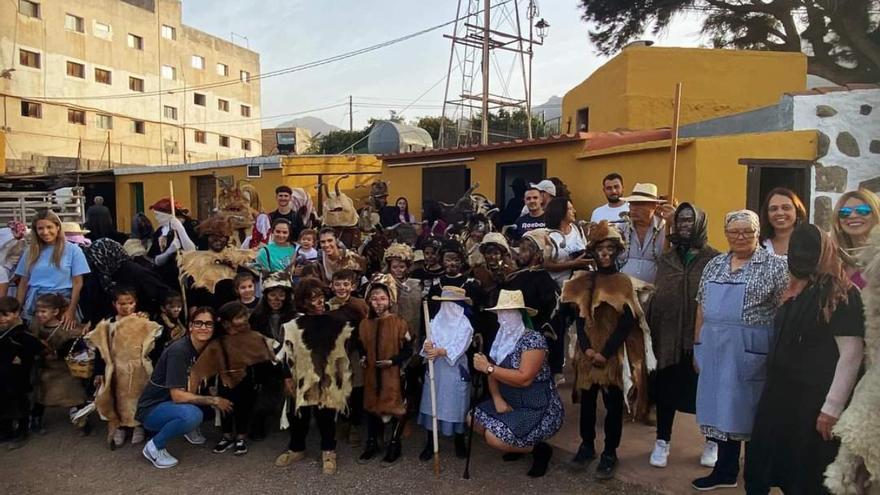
{"points": [[753, 178], [499, 173]]}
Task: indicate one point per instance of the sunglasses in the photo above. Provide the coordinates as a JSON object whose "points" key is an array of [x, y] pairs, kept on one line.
{"points": [[862, 210]]}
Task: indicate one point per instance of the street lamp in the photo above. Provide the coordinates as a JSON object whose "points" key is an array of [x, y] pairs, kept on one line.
{"points": [[542, 26]]}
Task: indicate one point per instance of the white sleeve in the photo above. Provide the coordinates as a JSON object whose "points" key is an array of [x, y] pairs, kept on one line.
{"points": [[851, 350]]}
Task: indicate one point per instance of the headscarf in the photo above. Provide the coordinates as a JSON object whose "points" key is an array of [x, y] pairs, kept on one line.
{"points": [[812, 259], [699, 233], [743, 215], [511, 328], [141, 227], [260, 233], [78, 239], [451, 330]]}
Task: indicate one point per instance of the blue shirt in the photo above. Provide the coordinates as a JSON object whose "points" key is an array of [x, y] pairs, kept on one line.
{"points": [[275, 258], [44, 277]]}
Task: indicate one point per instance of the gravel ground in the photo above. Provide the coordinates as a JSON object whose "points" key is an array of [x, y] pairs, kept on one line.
{"points": [[63, 463]]}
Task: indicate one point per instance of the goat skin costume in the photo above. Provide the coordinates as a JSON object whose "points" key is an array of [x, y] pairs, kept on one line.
{"points": [[601, 299], [384, 338], [229, 356], [314, 350], [125, 346], [207, 268]]}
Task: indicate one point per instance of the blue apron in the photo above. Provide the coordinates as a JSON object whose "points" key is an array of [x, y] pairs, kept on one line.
{"points": [[732, 357]]}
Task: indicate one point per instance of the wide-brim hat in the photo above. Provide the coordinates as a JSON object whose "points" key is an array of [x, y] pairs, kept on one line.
{"points": [[452, 293], [496, 238], [164, 206], [400, 251], [644, 193], [276, 280], [512, 299], [73, 228]]}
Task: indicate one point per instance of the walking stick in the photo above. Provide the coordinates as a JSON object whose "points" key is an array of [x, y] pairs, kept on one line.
{"points": [[179, 275], [673, 146], [434, 425], [467, 463]]}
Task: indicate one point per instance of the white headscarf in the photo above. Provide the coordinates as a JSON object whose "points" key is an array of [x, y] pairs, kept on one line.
{"points": [[451, 330], [510, 328]]}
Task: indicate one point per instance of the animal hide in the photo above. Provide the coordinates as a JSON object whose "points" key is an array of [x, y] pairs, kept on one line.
{"points": [[600, 300], [239, 202], [339, 210], [383, 338], [314, 349], [229, 356], [859, 425], [125, 346], [207, 268]]}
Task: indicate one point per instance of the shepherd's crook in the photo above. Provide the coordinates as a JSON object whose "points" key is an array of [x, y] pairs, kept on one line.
{"points": [[433, 393]]}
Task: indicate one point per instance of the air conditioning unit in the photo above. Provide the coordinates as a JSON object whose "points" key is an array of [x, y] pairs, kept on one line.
{"points": [[254, 171]]}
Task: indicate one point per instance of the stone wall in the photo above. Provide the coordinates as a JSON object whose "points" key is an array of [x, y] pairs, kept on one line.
{"points": [[848, 155]]}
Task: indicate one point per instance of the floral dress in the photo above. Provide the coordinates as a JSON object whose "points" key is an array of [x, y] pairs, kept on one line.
{"points": [[537, 409]]}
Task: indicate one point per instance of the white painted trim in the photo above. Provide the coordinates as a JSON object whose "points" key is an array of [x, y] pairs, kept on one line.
{"points": [[432, 162]]}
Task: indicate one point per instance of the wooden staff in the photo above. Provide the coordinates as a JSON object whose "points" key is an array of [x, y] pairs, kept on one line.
{"points": [[673, 155], [434, 425], [180, 275]]}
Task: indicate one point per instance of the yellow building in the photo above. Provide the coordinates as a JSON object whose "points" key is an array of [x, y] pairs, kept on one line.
{"points": [[112, 82]]}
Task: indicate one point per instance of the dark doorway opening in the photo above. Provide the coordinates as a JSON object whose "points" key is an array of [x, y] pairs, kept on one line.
{"points": [[206, 192], [445, 184], [527, 172], [766, 175]]}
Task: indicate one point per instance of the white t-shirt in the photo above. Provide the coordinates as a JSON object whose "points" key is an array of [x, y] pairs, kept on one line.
{"points": [[574, 242], [610, 213]]}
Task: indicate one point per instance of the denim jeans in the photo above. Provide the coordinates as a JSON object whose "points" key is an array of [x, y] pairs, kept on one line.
{"points": [[170, 420]]}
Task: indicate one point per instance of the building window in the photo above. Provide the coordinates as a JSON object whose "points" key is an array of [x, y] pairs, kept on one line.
{"points": [[245, 111], [33, 110], [169, 72], [101, 30], [169, 32], [28, 8], [138, 127], [222, 70], [223, 105], [136, 84], [74, 23], [199, 99], [76, 116], [198, 62], [170, 112], [245, 76], [201, 137], [76, 70], [28, 58], [104, 121], [224, 141], [246, 144], [135, 41], [103, 76]]}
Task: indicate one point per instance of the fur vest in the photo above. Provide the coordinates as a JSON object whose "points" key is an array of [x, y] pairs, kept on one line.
{"points": [[383, 338], [601, 299], [207, 268], [314, 350], [125, 346], [229, 356]]}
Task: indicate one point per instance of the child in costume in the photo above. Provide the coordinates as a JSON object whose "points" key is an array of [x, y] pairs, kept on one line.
{"points": [[386, 339], [123, 366], [19, 351], [451, 335], [172, 326]]}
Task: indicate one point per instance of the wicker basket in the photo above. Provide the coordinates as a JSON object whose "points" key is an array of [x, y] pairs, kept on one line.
{"points": [[80, 368]]}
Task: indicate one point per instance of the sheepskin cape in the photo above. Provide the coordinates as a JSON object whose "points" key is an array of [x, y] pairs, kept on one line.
{"points": [[859, 425], [125, 346], [314, 349], [601, 299], [207, 268], [229, 357], [383, 338]]}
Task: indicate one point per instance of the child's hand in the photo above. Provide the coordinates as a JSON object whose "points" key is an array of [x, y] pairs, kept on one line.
{"points": [[384, 363]]}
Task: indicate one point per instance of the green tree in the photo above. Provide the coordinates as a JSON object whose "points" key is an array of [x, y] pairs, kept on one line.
{"points": [[841, 38], [432, 125], [339, 141]]}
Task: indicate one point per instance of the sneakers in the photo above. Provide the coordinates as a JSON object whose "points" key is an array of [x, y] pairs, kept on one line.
{"points": [[607, 466], [660, 454], [195, 437], [223, 445], [137, 435], [288, 458], [159, 457], [585, 454], [241, 447], [118, 439], [710, 454], [712, 482], [328, 458]]}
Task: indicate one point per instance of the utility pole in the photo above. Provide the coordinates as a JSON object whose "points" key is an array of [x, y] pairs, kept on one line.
{"points": [[350, 114], [484, 134]]}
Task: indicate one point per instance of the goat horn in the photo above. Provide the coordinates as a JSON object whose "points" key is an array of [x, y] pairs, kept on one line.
{"points": [[336, 186]]}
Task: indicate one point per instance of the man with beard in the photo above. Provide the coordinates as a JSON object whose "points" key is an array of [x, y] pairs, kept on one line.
{"points": [[285, 210], [612, 186], [534, 219]]}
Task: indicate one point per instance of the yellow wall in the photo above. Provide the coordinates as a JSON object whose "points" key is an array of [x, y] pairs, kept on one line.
{"points": [[2, 153], [634, 90], [303, 172]]}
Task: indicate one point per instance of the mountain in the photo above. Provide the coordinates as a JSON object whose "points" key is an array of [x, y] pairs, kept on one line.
{"points": [[552, 108], [313, 124]]}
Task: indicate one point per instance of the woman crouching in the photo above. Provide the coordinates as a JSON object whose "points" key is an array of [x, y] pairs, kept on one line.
{"points": [[525, 408]]}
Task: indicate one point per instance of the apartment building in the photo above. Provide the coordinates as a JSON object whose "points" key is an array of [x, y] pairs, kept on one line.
{"points": [[109, 82]]}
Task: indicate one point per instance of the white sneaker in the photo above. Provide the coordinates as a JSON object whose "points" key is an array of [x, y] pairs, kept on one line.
{"points": [[195, 437], [159, 457], [660, 454], [710, 454]]}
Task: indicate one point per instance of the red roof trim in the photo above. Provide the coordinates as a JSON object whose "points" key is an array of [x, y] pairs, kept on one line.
{"points": [[834, 89]]}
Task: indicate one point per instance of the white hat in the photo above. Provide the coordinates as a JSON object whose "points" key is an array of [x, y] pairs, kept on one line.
{"points": [[496, 238], [512, 299], [643, 193], [546, 186], [73, 228]]}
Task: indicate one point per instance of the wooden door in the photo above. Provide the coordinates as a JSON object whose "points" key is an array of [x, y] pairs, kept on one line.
{"points": [[206, 192]]}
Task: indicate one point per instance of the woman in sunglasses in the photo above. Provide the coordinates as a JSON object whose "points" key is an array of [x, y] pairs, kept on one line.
{"points": [[166, 408], [856, 214]]}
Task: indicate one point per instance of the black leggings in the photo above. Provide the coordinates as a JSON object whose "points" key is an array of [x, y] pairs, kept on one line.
{"points": [[299, 427], [243, 397], [612, 396], [356, 406]]}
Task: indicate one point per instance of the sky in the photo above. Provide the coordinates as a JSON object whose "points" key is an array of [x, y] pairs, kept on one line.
{"points": [[290, 32]]}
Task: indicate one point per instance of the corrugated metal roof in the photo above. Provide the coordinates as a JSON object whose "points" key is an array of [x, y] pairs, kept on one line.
{"points": [[517, 143], [268, 162]]}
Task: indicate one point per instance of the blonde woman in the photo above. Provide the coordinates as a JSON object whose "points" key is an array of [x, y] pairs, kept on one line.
{"points": [[856, 214], [51, 265]]}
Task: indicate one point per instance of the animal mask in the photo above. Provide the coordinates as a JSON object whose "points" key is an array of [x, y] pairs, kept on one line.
{"points": [[339, 210]]}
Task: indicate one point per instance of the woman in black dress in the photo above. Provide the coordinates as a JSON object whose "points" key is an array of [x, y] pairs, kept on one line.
{"points": [[812, 368]]}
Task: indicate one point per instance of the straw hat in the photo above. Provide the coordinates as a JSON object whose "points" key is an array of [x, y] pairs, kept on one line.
{"points": [[541, 238], [277, 279], [400, 251], [644, 193], [73, 228], [385, 281], [512, 299], [454, 294], [496, 238]]}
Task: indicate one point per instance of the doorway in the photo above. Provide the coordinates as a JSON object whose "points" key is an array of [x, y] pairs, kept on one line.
{"points": [[766, 175], [206, 192], [510, 203], [445, 184]]}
